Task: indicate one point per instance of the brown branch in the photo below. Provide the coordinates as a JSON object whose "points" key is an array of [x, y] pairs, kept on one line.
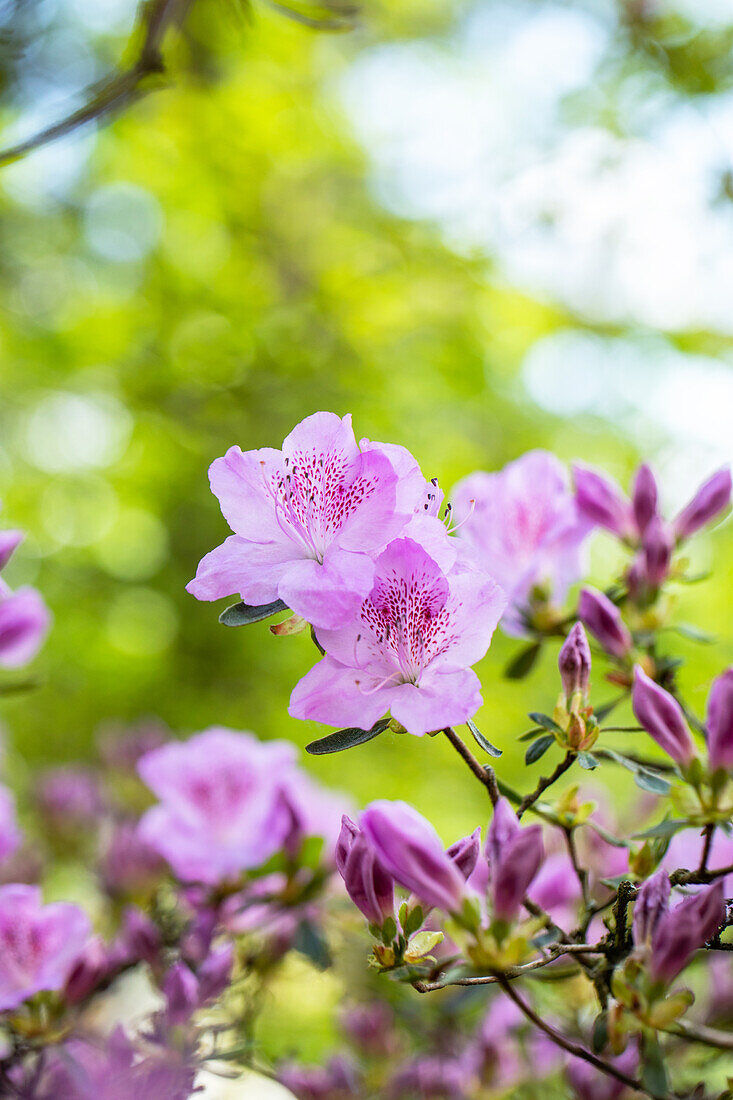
{"points": [[682, 877], [545, 782], [120, 89], [556, 951], [485, 774], [697, 1033], [575, 1048]]}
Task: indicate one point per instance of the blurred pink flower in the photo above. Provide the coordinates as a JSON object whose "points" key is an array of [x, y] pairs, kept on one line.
{"points": [[525, 529]]}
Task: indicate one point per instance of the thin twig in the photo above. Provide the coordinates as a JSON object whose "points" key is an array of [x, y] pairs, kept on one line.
{"points": [[556, 951], [708, 833], [545, 782], [580, 872], [485, 774], [120, 89], [697, 1033], [575, 1048]]}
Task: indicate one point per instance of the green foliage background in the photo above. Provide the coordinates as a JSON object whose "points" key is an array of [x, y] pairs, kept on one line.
{"points": [[274, 285]]}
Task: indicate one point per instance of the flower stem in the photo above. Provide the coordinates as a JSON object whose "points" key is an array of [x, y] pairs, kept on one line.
{"points": [[485, 774]]}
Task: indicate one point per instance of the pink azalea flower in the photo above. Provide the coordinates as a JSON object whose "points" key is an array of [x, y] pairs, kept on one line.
{"points": [[39, 944], [10, 835], [305, 520], [221, 809], [24, 622], [410, 647], [525, 529]]}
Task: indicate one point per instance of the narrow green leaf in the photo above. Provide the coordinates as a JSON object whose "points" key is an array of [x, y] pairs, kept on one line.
{"points": [[242, 614], [545, 721], [693, 633], [522, 664], [389, 931], [600, 1032], [481, 741], [346, 739], [653, 1070], [531, 734], [414, 921], [309, 941], [538, 748], [587, 760], [650, 781], [665, 828], [644, 777]]}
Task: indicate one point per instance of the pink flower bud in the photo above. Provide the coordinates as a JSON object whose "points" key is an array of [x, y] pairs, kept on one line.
{"points": [[683, 929], [465, 853], [410, 849], [709, 500], [515, 855], [574, 662], [644, 500], [604, 621], [600, 500], [9, 541], [181, 990], [650, 906], [215, 972], [367, 883], [90, 968], [720, 722], [661, 716], [658, 544], [139, 938]]}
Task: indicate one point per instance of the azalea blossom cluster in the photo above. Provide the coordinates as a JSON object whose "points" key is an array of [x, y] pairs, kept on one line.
{"points": [[600, 929]]}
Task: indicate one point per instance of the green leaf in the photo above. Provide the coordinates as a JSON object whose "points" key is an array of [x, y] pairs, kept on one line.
{"points": [[587, 760], [609, 837], [531, 734], [538, 748], [600, 1033], [693, 633], [522, 664], [545, 721], [644, 777], [653, 1070], [414, 921], [481, 741], [346, 739], [389, 931], [651, 781], [665, 828], [242, 614], [310, 941]]}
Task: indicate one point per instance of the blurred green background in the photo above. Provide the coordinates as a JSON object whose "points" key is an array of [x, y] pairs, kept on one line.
{"points": [[396, 221]]}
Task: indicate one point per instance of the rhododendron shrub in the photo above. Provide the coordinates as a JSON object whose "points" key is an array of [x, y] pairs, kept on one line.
{"points": [[571, 944]]}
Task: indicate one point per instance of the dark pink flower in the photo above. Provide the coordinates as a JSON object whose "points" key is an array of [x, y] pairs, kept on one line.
{"points": [[408, 847], [410, 647], [712, 498], [604, 621], [574, 662], [305, 519], [682, 930], [661, 716], [24, 623], [39, 944], [221, 809], [720, 722], [602, 502], [514, 854]]}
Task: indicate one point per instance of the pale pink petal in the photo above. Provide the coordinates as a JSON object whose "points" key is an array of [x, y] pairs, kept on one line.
{"points": [[375, 521], [476, 604], [411, 485], [254, 570], [24, 623], [442, 699], [322, 434], [337, 696], [330, 594], [9, 541], [241, 481]]}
